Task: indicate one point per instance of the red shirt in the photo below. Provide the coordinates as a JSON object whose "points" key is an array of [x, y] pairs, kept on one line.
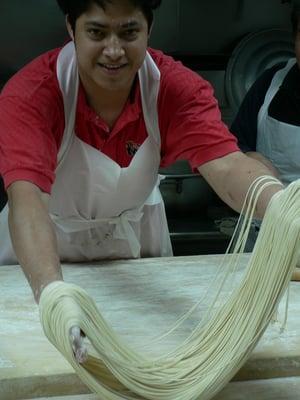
{"points": [[32, 122]]}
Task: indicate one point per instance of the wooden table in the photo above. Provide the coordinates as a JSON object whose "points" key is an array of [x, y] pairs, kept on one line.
{"points": [[140, 299], [271, 389]]}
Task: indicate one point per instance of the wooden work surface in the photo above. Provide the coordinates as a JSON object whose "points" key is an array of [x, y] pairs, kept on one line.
{"points": [[140, 299], [271, 389]]}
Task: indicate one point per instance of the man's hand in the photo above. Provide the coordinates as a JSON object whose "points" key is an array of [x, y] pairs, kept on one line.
{"points": [[78, 345], [58, 302]]}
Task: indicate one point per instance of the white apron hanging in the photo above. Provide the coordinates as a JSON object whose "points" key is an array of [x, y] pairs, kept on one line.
{"points": [[279, 141], [100, 210]]}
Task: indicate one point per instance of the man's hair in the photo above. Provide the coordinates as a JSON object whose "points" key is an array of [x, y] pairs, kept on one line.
{"points": [[74, 8]]}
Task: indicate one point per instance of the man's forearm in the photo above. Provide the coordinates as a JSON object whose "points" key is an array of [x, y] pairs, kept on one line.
{"points": [[33, 236], [232, 175], [260, 157]]}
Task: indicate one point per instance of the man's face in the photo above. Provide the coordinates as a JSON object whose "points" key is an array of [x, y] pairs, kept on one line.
{"points": [[111, 45]]}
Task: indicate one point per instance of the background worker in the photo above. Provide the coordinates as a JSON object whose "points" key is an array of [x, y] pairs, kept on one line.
{"points": [[267, 124]]}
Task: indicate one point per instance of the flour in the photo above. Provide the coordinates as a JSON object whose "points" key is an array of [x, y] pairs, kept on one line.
{"points": [[19, 322], [5, 363]]}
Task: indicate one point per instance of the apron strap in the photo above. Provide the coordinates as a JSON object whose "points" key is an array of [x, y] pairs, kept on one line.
{"points": [[273, 89], [68, 79]]}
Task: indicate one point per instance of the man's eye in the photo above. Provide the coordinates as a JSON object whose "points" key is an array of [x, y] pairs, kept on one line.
{"points": [[95, 33], [130, 34]]}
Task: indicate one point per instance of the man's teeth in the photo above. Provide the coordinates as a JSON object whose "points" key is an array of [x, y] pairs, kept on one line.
{"points": [[112, 66]]}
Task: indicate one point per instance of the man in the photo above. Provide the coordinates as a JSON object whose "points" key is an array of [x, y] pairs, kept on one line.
{"points": [[268, 122], [94, 194]]}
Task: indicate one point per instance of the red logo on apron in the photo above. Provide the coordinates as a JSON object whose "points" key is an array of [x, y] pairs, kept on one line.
{"points": [[132, 148]]}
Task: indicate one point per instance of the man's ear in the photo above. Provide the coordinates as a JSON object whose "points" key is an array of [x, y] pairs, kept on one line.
{"points": [[69, 28]]}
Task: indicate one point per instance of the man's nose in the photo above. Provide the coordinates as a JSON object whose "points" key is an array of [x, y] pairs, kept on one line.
{"points": [[113, 48]]}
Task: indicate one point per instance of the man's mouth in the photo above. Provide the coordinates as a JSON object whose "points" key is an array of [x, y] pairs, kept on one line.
{"points": [[112, 67]]}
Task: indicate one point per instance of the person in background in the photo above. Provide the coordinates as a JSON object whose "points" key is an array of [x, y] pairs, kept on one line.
{"points": [[84, 130], [267, 124]]}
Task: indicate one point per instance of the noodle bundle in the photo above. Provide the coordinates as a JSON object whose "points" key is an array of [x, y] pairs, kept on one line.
{"points": [[219, 345]]}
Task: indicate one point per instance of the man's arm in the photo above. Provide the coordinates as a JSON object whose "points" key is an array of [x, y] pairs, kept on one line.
{"points": [[260, 157], [33, 236], [34, 241], [232, 175]]}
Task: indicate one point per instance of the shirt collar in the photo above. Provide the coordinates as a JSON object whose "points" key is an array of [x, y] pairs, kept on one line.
{"points": [[131, 111]]}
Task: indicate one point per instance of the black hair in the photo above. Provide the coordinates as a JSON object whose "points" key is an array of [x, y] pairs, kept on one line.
{"points": [[74, 8]]}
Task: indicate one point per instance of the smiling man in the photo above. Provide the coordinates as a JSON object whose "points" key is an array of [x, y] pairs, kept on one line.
{"points": [[83, 132], [111, 46]]}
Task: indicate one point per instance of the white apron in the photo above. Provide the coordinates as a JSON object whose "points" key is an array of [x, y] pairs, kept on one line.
{"points": [[100, 210], [279, 141]]}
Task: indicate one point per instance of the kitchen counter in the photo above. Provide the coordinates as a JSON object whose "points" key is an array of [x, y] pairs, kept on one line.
{"points": [[140, 299]]}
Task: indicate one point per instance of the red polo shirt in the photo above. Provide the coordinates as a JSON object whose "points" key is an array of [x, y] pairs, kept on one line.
{"points": [[32, 122]]}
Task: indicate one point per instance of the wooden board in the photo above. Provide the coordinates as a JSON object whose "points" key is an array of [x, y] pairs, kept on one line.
{"points": [[140, 299], [271, 389]]}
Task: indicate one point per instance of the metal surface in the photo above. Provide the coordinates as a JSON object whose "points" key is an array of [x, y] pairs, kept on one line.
{"points": [[192, 209], [254, 54], [186, 194]]}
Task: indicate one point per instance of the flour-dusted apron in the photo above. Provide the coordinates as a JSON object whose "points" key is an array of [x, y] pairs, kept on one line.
{"points": [[279, 141], [100, 210]]}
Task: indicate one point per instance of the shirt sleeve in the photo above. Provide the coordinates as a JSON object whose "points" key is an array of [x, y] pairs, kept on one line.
{"points": [[244, 126], [31, 123], [190, 121], [27, 144]]}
